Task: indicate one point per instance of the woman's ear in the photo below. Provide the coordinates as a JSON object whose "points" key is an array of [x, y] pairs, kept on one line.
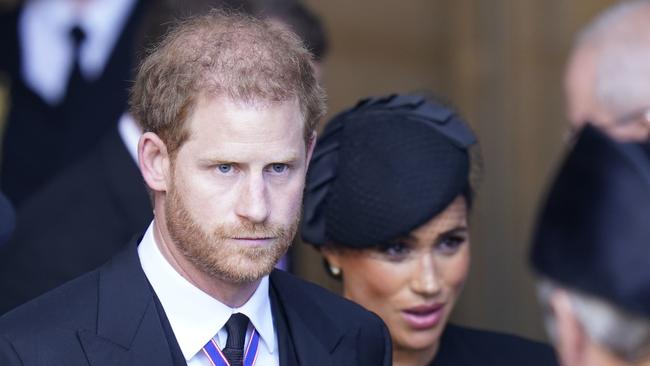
{"points": [[333, 260], [153, 160]]}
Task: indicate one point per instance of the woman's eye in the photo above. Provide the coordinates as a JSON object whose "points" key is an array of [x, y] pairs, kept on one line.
{"points": [[396, 251], [279, 168], [451, 243], [224, 168]]}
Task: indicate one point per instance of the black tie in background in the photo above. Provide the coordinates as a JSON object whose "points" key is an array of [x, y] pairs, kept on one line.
{"points": [[234, 350], [76, 79]]}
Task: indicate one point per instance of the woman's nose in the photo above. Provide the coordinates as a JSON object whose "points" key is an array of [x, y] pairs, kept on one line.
{"points": [[426, 280]]}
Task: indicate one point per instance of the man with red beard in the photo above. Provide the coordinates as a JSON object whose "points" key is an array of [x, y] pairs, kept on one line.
{"points": [[229, 106]]}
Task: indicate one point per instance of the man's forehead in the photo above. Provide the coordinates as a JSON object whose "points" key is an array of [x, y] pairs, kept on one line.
{"points": [[222, 108], [257, 102], [223, 123]]}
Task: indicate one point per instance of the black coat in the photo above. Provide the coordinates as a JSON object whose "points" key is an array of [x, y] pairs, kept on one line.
{"points": [[111, 317], [461, 346], [76, 223]]}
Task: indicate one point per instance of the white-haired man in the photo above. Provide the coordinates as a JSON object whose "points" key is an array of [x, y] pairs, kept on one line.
{"points": [[607, 81]]}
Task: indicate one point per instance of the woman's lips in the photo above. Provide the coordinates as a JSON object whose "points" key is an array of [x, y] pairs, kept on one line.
{"points": [[424, 316]]}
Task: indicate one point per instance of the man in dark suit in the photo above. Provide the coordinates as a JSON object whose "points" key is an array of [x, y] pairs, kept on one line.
{"points": [[109, 206], [229, 106]]}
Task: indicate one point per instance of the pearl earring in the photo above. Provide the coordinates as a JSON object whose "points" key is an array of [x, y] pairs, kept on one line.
{"points": [[336, 271]]}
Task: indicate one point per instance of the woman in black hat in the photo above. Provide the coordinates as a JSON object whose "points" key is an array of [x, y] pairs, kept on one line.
{"points": [[387, 202]]}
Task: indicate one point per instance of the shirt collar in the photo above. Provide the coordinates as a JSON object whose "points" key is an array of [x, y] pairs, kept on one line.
{"points": [[130, 133], [195, 316]]}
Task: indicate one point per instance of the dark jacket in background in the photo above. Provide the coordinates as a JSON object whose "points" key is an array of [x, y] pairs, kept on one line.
{"points": [[460, 346], [74, 224]]}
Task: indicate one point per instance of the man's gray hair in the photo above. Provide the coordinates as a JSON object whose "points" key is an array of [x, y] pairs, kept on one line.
{"points": [[620, 39], [624, 334]]}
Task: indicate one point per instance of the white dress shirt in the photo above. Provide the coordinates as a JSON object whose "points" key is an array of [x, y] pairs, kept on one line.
{"points": [[47, 47], [196, 317]]}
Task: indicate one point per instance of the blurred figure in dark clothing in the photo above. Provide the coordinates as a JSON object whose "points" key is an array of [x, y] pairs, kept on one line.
{"points": [[69, 64], [590, 251]]}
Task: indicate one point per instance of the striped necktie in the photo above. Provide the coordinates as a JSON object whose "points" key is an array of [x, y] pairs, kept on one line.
{"points": [[233, 354], [234, 350]]}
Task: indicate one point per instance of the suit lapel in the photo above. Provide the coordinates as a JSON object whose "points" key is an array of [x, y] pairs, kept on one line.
{"points": [[129, 330], [313, 332]]}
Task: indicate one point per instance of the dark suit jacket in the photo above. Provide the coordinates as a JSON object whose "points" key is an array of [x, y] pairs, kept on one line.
{"points": [[74, 224], [110, 317], [460, 346]]}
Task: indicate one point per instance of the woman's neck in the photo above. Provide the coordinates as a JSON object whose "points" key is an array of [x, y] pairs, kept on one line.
{"points": [[410, 357]]}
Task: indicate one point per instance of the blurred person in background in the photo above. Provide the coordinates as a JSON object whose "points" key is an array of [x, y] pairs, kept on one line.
{"points": [[591, 251], [607, 80], [68, 64], [85, 215], [387, 202]]}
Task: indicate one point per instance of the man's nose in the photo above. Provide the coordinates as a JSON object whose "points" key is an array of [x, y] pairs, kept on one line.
{"points": [[252, 203]]}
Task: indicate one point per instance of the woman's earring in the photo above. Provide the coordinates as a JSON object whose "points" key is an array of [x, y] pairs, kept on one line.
{"points": [[336, 271]]}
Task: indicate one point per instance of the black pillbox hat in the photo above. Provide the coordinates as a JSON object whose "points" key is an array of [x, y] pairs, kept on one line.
{"points": [[593, 233], [383, 168]]}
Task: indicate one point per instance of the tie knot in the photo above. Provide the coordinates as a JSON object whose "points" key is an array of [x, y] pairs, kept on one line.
{"points": [[78, 36], [236, 327]]}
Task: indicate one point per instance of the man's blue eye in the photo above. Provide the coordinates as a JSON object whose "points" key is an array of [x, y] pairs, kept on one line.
{"points": [[224, 168], [279, 168]]}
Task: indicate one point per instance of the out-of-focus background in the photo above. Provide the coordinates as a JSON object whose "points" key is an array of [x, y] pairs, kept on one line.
{"points": [[500, 62]]}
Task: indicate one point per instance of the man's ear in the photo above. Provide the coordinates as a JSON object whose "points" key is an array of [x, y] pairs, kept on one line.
{"points": [[311, 144], [154, 161], [572, 342]]}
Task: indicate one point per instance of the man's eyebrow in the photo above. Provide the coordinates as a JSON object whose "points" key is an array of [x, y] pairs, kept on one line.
{"points": [[287, 159]]}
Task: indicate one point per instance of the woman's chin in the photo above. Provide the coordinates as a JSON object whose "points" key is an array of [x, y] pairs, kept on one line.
{"points": [[419, 339]]}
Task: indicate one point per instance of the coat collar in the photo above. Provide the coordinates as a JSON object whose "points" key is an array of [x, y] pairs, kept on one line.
{"points": [[129, 329], [314, 333]]}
